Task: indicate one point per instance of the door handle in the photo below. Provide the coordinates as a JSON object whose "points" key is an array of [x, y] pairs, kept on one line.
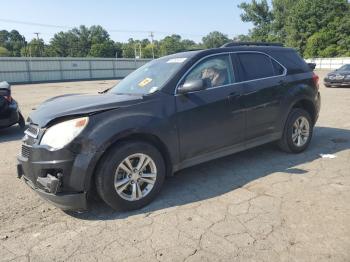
{"points": [[234, 95]]}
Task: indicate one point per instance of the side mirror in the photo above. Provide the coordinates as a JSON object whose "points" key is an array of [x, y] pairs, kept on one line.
{"points": [[192, 86]]}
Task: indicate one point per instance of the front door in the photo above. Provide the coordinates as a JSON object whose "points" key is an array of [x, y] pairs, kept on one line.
{"points": [[204, 118]]}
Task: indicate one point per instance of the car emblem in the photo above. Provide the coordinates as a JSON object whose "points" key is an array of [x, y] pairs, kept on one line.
{"points": [[339, 77]]}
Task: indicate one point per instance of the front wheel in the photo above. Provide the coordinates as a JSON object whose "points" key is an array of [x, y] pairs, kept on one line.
{"points": [[130, 175], [298, 131]]}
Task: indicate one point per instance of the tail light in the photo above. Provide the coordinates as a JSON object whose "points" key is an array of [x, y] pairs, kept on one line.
{"points": [[315, 79], [8, 98]]}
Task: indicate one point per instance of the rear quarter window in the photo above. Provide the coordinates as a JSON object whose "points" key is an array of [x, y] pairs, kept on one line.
{"points": [[291, 60]]}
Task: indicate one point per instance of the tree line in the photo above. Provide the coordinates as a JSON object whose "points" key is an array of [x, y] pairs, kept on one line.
{"points": [[316, 28], [95, 41]]}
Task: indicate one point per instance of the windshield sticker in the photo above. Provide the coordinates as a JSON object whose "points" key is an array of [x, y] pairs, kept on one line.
{"points": [[145, 82], [176, 60]]}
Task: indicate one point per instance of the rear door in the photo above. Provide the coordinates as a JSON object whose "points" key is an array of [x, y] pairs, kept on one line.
{"points": [[204, 118], [262, 91]]}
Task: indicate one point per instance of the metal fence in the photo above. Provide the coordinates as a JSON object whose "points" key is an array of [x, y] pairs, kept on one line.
{"points": [[329, 63], [29, 70]]}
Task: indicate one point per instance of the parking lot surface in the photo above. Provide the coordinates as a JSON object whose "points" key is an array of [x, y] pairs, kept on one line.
{"points": [[258, 205]]}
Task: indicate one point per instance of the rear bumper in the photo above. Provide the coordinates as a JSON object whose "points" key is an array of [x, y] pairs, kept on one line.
{"points": [[11, 118], [318, 106]]}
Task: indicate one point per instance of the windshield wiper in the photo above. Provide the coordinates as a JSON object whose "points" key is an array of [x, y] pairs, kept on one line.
{"points": [[105, 91]]}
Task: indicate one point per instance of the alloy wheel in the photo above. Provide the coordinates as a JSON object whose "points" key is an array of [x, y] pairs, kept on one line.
{"points": [[301, 131], [135, 177]]}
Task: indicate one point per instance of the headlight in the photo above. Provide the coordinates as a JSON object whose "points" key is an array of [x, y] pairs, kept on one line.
{"points": [[63, 133]]}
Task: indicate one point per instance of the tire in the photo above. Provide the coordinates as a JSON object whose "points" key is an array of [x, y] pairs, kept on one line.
{"points": [[21, 122], [287, 143], [110, 170]]}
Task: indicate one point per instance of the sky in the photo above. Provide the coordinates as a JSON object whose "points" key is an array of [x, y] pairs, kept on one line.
{"points": [[192, 19]]}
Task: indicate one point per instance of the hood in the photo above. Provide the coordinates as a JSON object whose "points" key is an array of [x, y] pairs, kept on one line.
{"points": [[340, 72], [78, 104]]}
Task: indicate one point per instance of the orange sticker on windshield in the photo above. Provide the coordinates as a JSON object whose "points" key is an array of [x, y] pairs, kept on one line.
{"points": [[145, 82]]}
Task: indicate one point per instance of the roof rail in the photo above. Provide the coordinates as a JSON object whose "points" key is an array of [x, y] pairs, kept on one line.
{"points": [[250, 44]]}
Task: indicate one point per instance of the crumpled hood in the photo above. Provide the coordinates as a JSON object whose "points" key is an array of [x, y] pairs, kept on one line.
{"points": [[78, 104]]}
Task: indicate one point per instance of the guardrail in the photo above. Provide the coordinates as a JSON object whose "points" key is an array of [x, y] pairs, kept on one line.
{"points": [[43, 69], [329, 63]]}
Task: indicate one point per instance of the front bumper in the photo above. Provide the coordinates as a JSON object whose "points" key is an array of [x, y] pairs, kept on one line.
{"points": [[62, 177], [50, 186], [75, 201], [338, 83]]}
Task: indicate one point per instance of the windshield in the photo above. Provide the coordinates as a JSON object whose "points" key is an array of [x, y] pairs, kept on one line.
{"points": [[344, 68], [149, 78]]}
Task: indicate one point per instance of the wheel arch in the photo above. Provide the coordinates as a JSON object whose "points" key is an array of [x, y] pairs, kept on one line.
{"points": [[308, 106], [144, 137]]}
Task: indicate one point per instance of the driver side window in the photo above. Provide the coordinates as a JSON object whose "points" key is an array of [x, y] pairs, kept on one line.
{"points": [[215, 71]]}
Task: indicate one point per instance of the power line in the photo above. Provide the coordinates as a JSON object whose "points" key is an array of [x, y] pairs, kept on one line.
{"points": [[109, 30]]}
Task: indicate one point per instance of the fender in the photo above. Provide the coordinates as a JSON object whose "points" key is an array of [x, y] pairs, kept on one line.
{"points": [[301, 91], [109, 127]]}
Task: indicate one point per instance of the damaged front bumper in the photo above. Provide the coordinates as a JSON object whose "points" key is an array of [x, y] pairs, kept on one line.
{"points": [[60, 176], [50, 186]]}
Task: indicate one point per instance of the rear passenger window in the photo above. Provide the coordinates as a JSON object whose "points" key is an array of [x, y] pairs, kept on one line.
{"points": [[256, 66]]}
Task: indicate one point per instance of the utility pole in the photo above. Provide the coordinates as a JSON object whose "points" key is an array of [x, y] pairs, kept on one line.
{"points": [[140, 46], [39, 47], [152, 38], [37, 35]]}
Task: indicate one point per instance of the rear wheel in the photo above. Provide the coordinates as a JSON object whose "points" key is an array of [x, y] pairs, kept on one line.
{"points": [[298, 131], [130, 175]]}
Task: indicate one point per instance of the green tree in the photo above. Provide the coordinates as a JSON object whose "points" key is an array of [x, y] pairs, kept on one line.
{"points": [[35, 48], [105, 49], [261, 16], [129, 49], [313, 27], [79, 41], [242, 38], [306, 17], [13, 41], [171, 45], [4, 52], [215, 39]]}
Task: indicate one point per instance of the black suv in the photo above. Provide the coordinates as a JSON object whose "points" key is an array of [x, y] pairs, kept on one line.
{"points": [[172, 113]]}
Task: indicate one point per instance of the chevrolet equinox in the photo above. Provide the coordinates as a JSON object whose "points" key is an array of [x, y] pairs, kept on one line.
{"points": [[174, 112]]}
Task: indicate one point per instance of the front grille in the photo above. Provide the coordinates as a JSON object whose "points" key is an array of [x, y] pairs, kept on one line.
{"points": [[25, 151], [33, 131]]}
